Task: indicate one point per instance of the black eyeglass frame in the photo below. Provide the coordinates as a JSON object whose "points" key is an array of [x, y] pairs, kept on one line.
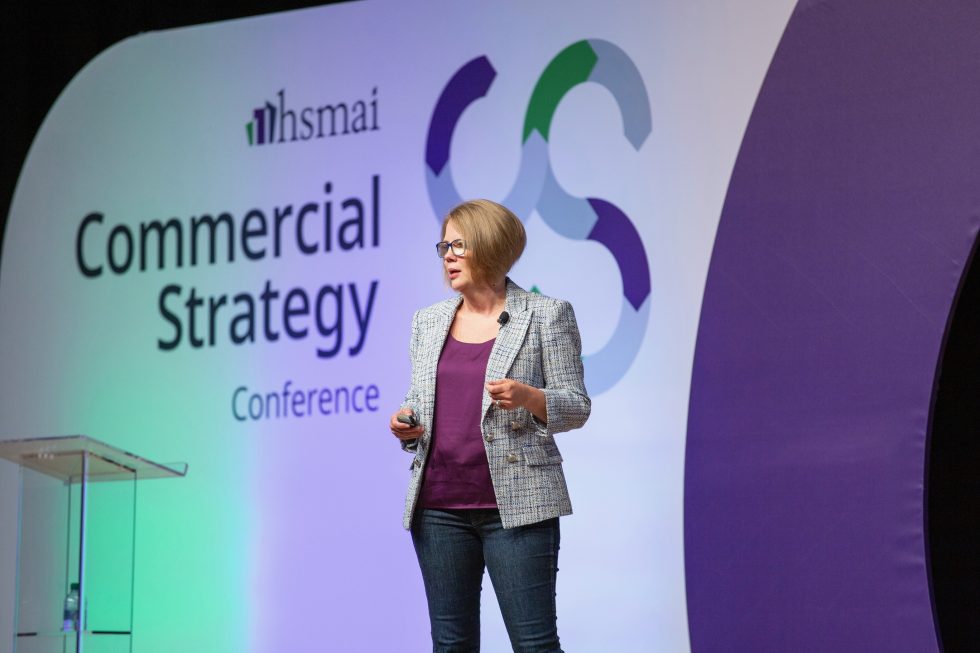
{"points": [[458, 246]]}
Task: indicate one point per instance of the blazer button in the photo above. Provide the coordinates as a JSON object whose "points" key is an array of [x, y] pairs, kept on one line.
{"points": [[512, 457], [488, 437], [515, 426]]}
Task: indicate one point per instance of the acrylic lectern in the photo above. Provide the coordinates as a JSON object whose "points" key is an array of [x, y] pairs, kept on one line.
{"points": [[76, 543]]}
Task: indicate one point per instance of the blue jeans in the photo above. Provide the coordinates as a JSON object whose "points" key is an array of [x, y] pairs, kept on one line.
{"points": [[453, 546]]}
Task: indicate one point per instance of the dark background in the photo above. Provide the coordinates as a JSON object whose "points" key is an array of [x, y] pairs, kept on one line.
{"points": [[45, 47], [953, 473]]}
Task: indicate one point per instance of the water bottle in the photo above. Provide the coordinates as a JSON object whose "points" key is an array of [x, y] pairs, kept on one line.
{"points": [[71, 610]]}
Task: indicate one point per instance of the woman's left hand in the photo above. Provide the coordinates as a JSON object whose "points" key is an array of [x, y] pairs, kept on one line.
{"points": [[508, 393]]}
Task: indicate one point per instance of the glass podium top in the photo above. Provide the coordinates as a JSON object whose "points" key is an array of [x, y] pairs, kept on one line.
{"points": [[62, 457]]}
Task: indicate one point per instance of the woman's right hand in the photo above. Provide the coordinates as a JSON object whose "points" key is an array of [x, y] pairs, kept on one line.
{"points": [[403, 431]]}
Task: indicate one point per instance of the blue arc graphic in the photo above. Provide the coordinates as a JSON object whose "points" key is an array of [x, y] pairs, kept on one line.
{"points": [[536, 188]]}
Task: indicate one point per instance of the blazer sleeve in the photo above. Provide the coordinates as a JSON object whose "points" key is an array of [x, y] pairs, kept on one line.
{"points": [[412, 398], [566, 399]]}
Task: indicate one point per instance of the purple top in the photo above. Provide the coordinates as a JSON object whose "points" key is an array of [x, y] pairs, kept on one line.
{"points": [[457, 474]]}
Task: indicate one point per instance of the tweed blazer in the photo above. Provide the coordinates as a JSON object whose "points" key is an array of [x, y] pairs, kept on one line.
{"points": [[539, 346]]}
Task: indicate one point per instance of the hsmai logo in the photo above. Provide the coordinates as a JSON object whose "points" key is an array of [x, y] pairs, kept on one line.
{"points": [[275, 122]]}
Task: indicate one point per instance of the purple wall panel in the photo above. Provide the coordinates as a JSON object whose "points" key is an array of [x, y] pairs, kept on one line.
{"points": [[851, 211]]}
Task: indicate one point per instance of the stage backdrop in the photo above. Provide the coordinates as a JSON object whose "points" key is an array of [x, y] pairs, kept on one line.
{"points": [[221, 232]]}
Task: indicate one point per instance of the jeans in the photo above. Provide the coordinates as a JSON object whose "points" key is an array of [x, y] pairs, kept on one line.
{"points": [[453, 546]]}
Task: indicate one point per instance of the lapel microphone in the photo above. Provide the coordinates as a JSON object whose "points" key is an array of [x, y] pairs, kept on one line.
{"points": [[504, 318]]}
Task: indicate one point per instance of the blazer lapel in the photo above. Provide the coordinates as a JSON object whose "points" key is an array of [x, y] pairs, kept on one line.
{"points": [[430, 358], [509, 338]]}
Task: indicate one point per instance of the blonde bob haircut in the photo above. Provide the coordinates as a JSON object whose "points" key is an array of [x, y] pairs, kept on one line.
{"points": [[494, 236]]}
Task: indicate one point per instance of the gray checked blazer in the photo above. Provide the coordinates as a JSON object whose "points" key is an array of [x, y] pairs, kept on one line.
{"points": [[539, 346]]}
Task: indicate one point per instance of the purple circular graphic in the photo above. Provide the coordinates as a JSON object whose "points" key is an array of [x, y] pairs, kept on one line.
{"points": [[592, 60], [849, 217]]}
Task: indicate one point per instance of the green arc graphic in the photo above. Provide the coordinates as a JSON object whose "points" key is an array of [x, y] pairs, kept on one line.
{"points": [[570, 67]]}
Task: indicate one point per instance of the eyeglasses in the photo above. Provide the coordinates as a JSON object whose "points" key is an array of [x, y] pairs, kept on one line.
{"points": [[458, 246]]}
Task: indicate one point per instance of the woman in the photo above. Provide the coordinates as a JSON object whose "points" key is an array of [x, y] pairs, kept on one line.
{"points": [[496, 372]]}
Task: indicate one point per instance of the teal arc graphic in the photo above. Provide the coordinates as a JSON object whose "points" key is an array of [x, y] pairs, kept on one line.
{"points": [[536, 188]]}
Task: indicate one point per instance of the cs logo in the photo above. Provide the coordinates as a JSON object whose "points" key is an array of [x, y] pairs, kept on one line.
{"points": [[536, 188]]}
